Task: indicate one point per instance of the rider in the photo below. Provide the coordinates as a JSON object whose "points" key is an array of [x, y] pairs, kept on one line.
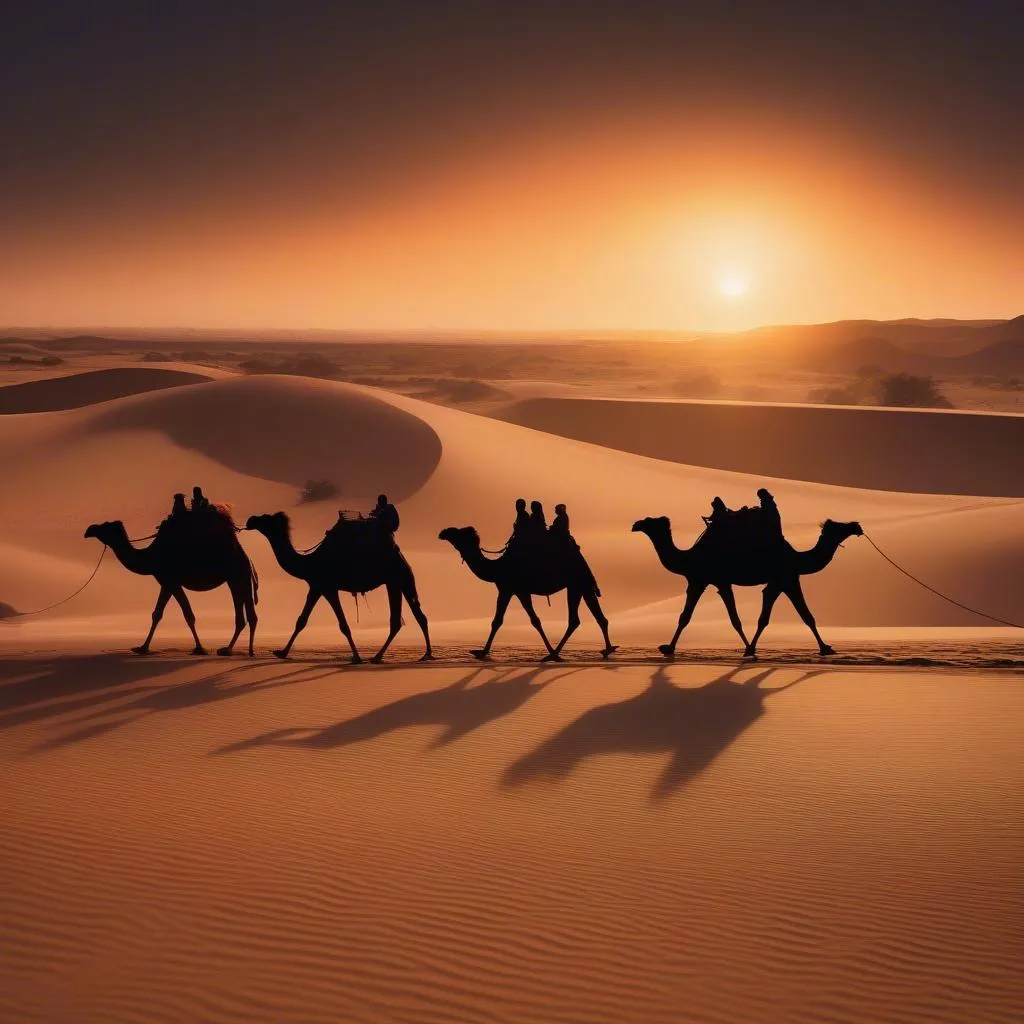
{"points": [[385, 514]]}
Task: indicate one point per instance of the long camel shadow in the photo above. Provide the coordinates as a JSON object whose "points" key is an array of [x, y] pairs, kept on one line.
{"points": [[109, 711], [694, 725], [460, 708]]}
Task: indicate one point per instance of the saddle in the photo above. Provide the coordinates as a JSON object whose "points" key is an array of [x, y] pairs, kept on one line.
{"points": [[743, 529]]}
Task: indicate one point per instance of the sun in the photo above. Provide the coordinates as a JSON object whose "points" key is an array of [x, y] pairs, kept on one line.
{"points": [[733, 285]]}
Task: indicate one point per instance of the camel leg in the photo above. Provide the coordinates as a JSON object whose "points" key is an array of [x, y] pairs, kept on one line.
{"points": [[300, 623], [729, 600], [190, 618], [238, 600], [395, 620], [593, 603], [768, 598], [573, 599], [694, 592], [334, 601], [796, 595], [249, 603], [158, 613], [527, 602], [413, 601], [499, 617]]}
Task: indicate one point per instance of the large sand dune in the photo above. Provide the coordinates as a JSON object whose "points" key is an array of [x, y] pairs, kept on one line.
{"points": [[888, 449]]}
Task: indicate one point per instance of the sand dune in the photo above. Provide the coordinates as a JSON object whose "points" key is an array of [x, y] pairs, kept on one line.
{"points": [[192, 841], [291, 429], [448, 467], [79, 389], [888, 449]]}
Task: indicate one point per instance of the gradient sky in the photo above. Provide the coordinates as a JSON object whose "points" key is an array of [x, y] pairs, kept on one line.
{"points": [[509, 165]]}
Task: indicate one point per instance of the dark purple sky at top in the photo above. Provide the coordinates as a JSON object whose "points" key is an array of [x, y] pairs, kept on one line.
{"points": [[114, 104]]}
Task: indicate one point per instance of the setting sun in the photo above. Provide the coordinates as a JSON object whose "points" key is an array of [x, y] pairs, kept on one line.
{"points": [[733, 285]]}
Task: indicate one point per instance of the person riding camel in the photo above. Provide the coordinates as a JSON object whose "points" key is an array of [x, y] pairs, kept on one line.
{"points": [[385, 515], [199, 500], [178, 506], [719, 512], [538, 524], [560, 524]]}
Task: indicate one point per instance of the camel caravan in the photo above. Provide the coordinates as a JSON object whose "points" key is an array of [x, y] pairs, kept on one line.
{"points": [[196, 547]]}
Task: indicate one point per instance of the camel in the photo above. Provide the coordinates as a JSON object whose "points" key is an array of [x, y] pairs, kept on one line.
{"points": [[778, 569], [513, 578], [341, 562], [176, 571]]}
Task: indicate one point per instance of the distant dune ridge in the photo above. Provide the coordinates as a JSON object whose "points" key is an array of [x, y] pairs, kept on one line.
{"points": [[887, 449], [80, 389]]}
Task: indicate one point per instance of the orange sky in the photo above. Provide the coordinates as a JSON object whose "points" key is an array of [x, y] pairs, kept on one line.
{"points": [[620, 210]]}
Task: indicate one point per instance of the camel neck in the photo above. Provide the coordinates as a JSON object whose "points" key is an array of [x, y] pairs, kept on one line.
{"points": [[287, 557], [136, 560], [480, 565], [817, 558], [672, 558]]}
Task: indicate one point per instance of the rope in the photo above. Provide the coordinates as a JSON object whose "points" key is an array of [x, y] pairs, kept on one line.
{"points": [[937, 593], [39, 611]]}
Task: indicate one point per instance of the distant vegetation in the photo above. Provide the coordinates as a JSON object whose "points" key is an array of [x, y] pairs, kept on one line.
{"points": [[42, 361], [317, 490], [303, 364], [899, 390], [696, 384]]}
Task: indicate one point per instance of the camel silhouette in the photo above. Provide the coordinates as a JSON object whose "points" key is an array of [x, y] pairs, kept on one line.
{"points": [[356, 562], [521, 578], [178, 565], [777, 568]]}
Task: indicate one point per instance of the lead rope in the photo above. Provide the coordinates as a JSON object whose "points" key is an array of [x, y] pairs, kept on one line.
{"points": [[937, 593], [39, 611]]}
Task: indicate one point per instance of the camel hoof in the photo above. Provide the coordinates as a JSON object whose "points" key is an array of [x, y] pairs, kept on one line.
{"points": [[827, 650], [427, 657], [376, 659], [480, 655], [551, 657], [749, 655], [199, 650], [224, 652], [356, 660], [140, 650], [668, 650], [280, 654], [609, 650]]}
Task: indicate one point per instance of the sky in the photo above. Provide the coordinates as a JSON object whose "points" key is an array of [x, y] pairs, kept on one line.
{"points": [[509, 165]]}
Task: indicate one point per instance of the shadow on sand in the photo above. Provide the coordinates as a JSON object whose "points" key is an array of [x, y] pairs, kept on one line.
{"points": [[694, 725], [460, 708], [90, 695]]}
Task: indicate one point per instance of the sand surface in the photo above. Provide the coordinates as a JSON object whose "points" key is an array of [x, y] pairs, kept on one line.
{"points": [[193, 840], [202, 839]]}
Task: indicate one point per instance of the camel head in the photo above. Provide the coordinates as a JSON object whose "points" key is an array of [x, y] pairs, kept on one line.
{"points": [[272, 523], [106, 533], [653, 525], [462, 538], [838, 532]]}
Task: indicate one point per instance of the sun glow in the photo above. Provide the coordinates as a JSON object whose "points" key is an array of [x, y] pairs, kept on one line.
{"points": [[733, 285]]}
